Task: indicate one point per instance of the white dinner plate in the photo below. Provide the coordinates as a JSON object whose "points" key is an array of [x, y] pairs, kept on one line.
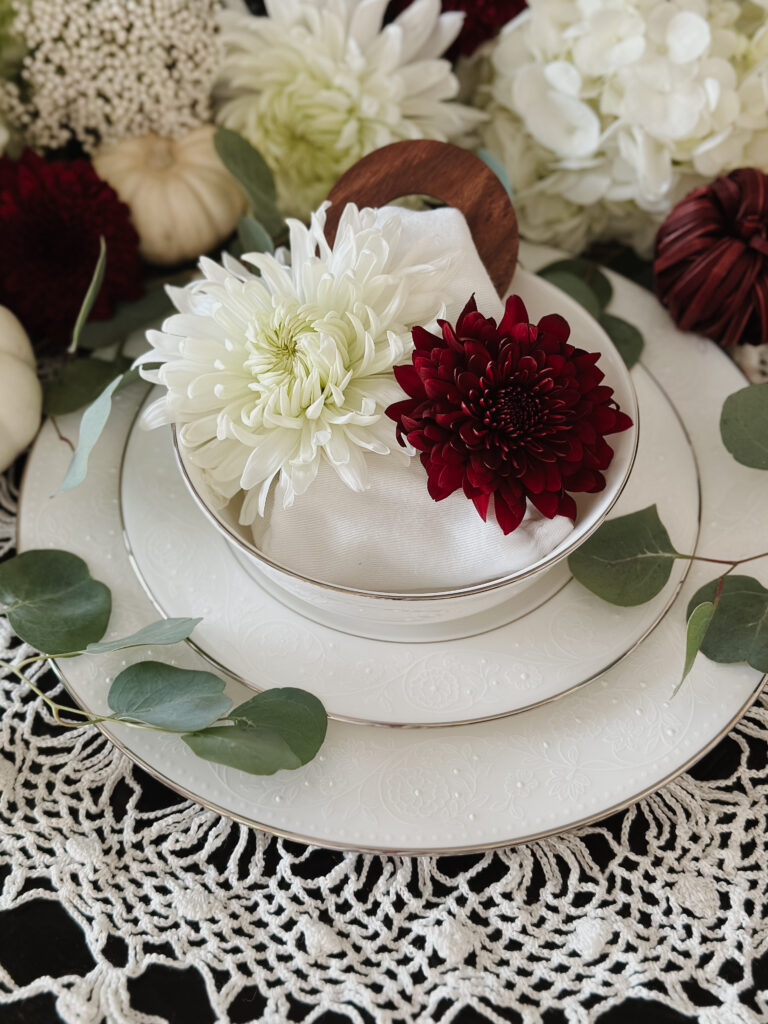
{"points": [[471, 786], [560, 636]]}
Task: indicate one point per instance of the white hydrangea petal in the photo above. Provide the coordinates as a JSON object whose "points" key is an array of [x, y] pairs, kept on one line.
{"points": [[563, 123], [688, 37], [563, 76]]}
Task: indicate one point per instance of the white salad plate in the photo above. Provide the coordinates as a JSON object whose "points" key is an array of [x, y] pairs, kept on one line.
{"points": [[474, 786], [559, 636]]}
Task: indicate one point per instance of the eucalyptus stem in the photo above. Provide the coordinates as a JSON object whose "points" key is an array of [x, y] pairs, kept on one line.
{"points": [[56, 708], [732, 562], [52, 704]]}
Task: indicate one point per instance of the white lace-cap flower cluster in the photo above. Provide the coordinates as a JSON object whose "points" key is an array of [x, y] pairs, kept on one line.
{"points": [[606, 112], [317, 84], [102, 70], [266, 375]]}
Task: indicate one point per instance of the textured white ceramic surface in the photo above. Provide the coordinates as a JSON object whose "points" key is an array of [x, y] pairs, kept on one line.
{"points": [[567, 637], [470, 786]]}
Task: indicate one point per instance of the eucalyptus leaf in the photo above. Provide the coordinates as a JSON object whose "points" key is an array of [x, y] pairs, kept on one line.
{"points": [[278, 729], [627, 561], [129, 317], [739, 628], [298, 716], [90, 296], [253, 236], [79, 383], [164, 631], [625, 336], [744, 425], [167, 697], [52, 601], [576, 288], [498, 169], [249, 168], [698, 624], [586, 271], [91, 426], [246, 747]]}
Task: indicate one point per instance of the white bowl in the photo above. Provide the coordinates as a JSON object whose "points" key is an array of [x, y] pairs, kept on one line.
{"points": [[436, 614]]}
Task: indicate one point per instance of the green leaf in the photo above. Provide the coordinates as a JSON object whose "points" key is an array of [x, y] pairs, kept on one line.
{"points": [[91, 425], [253, 237], [744, 425], [52, 601], [90, 295], [627, 561], [626, 262], [129, 317], [278, 729], [250, 169], [298, 716], [625, 336], [498, 168], [576, 288], [79, 383], [698, 624], [586, 271], [177, 699], [164, 631], [739, 628]]}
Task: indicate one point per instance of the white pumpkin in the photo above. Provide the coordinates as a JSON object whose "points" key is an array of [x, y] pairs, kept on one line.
{"points": [[21, 397], [183, 200]]}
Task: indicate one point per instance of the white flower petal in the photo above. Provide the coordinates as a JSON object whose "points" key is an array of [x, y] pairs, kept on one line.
{"points": [[688, 36]]}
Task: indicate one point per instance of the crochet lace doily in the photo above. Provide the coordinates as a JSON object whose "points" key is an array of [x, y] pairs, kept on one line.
{"points": [[666, 901]]}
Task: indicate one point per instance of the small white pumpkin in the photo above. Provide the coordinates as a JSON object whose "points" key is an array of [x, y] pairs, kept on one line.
{"points": [[21, 397], [183, 200]]}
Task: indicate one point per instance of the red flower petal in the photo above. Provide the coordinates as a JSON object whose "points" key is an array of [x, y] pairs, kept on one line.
{"points": [[512, 412], [51, 217]]}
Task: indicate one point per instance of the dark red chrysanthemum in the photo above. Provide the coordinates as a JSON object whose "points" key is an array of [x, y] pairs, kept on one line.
{"points": [[483, 19], [711, 264], [512, 412], [51, 217]]}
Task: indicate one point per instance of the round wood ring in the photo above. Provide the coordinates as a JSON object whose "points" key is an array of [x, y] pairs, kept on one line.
{"points": [[448, 173]]}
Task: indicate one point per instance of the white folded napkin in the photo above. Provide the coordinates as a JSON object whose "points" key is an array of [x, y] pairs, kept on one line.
{"points": [[394, 537]]}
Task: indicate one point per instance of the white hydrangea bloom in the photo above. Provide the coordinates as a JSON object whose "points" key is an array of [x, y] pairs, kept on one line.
{"points": [[606, 113], [103, 70], [317, 84], [268, 375]]}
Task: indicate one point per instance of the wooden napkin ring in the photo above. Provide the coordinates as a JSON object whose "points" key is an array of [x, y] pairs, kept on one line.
{"points": [[448, 173]]}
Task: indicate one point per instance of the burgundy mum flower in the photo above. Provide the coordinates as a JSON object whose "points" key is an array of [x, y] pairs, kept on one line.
{"points": [[512, 412], [51, 217], [711, 265]]}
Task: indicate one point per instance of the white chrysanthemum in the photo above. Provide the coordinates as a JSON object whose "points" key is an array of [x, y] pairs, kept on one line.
{"points": [[267, 375], [606, 114], [317, 84], [103, 70]]}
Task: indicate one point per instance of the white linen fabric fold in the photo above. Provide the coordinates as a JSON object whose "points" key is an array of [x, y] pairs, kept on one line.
{"points": [[394, 537]]}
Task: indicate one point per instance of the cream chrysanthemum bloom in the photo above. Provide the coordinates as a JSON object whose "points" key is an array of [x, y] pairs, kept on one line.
{"points": [[317, 84], [267, 375]]}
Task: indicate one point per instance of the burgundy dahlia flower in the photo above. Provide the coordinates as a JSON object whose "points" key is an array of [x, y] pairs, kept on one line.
{"points": [[51, 217], [511, 412]]}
